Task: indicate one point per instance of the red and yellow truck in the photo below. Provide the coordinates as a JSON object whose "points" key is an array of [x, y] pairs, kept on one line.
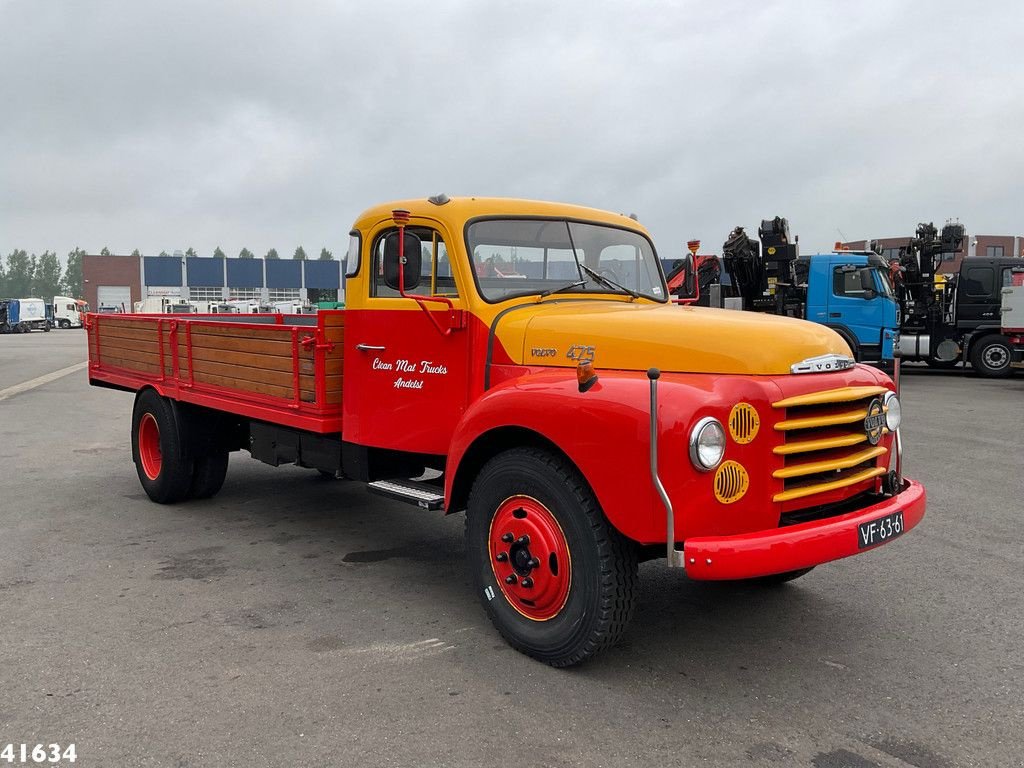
{"points": [[521, 361]]}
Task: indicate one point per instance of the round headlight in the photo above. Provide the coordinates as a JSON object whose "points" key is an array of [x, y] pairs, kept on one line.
{"points": [[893, 412], [707, 444]]}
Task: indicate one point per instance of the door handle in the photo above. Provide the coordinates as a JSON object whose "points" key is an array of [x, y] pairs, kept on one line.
{"points": [[370, 347], [835, 314]]}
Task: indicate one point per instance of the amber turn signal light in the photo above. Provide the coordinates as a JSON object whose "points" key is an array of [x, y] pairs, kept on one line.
{"points": [[586, 377]]}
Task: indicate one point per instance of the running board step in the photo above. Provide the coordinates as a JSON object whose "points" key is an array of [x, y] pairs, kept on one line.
{"points": [[423, 495]]}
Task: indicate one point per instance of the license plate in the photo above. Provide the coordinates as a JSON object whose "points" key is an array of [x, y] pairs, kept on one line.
{"points": [[877, 531]]}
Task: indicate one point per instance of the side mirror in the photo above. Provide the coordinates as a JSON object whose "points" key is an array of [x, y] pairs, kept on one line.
{"points": [[688, 271], [413, 262]]}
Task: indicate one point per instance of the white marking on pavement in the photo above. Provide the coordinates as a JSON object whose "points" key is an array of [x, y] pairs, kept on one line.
{"points": [[17, 389]]}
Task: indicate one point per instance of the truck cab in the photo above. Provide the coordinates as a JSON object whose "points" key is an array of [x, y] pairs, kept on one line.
{"points": [[850, 292]]}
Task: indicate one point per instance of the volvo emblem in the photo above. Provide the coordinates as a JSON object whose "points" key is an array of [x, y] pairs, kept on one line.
{"points": [[874, 422], [823, 364]]}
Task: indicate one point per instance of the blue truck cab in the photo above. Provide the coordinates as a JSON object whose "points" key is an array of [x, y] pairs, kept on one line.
{"points": [[850, 292]]}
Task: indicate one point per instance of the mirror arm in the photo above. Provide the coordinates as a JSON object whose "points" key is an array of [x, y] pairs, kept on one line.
{"points": [[401, 218]]}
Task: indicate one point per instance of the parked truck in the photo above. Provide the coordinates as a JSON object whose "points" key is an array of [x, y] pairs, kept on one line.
{"points": [[847, 291], [958, 317], [69, 312], [24, 315], [583, 424], [1012, 314]]}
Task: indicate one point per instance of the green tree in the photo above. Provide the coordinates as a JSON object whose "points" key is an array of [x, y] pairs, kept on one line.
{"points": [[46, 278], [72, 283], [218, 253], [326, 255], [190, 253], [105, 251], [19, 274], [245, 253], [136, 253], [3, 280], [272, 254], [300, 254]]}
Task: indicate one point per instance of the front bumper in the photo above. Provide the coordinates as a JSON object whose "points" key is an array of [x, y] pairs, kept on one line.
{"points": [[779, 550]]}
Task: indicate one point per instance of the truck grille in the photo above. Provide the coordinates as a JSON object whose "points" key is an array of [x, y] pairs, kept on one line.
{"points": [[826, 446]]}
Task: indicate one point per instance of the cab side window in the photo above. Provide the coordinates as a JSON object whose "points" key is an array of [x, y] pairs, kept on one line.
{"points": [[847, 281], [978, 281], [436, 275]]}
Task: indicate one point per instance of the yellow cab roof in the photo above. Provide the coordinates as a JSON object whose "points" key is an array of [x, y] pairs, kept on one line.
{"points": [[465, 208]]}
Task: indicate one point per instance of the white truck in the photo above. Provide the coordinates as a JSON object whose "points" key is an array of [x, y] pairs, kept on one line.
{"points": [[69, 312]]}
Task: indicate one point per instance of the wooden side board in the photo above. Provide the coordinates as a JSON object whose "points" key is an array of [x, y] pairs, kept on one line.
{"points": [[245, 359]]}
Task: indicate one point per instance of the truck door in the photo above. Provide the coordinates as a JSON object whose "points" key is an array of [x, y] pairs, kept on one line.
{"points": [[406, 372], [978, 296], [856, 305]]}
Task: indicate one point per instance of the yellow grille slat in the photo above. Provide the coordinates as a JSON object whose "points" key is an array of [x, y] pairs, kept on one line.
{"points": [[823, 444], [810, 422], [841, 395], [826, 465], [842, 482]]}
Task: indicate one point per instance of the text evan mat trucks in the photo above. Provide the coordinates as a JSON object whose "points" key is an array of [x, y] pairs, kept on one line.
{"points": [[583, 424]]}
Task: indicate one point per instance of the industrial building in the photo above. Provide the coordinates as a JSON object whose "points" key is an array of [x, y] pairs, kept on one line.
{"points": [[120, 281]]}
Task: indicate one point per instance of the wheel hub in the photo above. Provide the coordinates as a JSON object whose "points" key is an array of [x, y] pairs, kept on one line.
{"points": [[149, 446], [530, 558]]}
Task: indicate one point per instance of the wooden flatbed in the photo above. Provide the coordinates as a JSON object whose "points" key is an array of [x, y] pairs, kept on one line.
{"points": [[286, 369]]}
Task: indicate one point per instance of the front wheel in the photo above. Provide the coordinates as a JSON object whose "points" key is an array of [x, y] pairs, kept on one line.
{"points": [[991, 357], [557, 581], [163, 465], [65, 324]]}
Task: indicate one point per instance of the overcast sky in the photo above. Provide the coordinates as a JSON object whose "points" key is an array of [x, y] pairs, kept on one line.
{"points": [[164, 125]]}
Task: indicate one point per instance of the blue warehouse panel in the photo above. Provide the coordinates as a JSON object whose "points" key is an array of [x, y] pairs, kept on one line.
{"points": [[323, 274], [245, 273], [162, 270], [206, 272], [284, 274]]}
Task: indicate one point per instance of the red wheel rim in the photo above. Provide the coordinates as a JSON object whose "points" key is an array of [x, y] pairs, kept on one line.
{"points": [[149, 446], [530, 557]]}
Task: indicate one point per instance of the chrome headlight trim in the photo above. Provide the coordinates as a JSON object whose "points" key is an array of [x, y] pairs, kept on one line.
{"points": [[708, 422], [893, 411]]}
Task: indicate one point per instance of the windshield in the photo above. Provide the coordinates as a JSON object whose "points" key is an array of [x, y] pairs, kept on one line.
{"points": [[886, 283], [519, 257]]}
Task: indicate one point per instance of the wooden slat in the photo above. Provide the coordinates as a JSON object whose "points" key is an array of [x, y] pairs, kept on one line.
{"points": [[249, 374], [113, 321], [116, 332], [334, 320], [252, 386], [270, 333], [112, 345], [246, 359], [133, 365], [279, 347], [335, 335]]}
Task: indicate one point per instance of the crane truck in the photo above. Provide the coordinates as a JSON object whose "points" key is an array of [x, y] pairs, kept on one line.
{"points": [[583, 424], [847, 291], [958, 318]]}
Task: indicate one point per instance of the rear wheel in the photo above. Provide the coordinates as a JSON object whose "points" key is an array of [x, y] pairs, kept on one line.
{"points": [[557, 581], [163, 465], [991, 356], [208, 475], [65, 324]]}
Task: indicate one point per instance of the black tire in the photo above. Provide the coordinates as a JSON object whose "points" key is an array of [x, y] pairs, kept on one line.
{"points": [[942, 365], [65, 324], [47, 327], [602, 577], [991, 357], [169, 478], [850, 342], [208, 475]]}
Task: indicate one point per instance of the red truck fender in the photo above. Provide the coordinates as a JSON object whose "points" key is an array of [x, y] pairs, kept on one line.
{"points": [[603, 432]]}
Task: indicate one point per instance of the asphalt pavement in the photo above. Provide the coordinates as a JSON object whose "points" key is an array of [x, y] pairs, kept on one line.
{"points": [[296, 621]]}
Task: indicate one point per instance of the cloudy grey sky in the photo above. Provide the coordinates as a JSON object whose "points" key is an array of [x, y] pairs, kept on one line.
{"points": [[161, 125]]}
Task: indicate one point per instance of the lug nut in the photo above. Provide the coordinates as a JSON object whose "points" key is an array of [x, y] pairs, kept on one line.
{"points": [[534, 562], [507, 538], [524, 540], [501, 557], [510, 579], [527, 582]]}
